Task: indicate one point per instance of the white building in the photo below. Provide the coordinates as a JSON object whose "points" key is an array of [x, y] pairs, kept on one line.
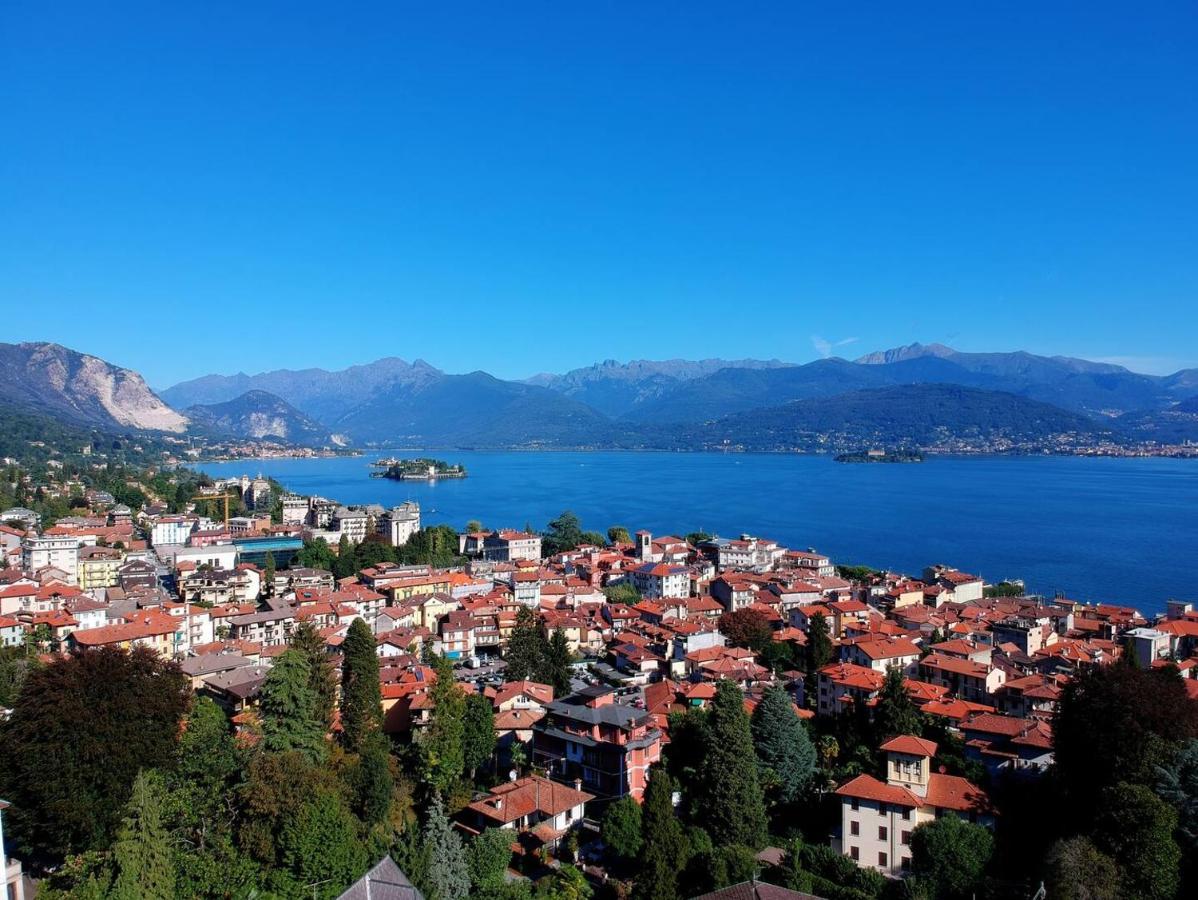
{"points": [[662, 580], [61, 552], [353, 523], [295, 509], [171, 530], [399, 523]]}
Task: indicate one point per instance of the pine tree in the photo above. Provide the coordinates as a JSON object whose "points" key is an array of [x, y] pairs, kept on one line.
{"points": [[373, 779], [478, 732], [526, 648], [145, 866], [206, 765], [557, 660], [735, 805], [895, 712], [819, 643], [784, 751], [323, 680], [361, 694], [442, 741], [448, 875], [663, 843], [290, 720]]}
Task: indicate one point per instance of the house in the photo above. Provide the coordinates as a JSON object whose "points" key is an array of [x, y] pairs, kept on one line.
{"points": [[99, 567], [152, 628], [399, 523], [662, 580], [877, 818], [546, 809], [607, 745], [386, 881], [351, 522], [969, 680], [61, 552], [881, 655]]}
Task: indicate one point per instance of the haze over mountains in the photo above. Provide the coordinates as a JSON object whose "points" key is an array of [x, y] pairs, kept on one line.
{"points": [[915, 394]]}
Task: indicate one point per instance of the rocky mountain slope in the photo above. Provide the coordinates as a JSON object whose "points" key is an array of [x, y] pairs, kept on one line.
{"points": [[259, 415], [81, 389]]}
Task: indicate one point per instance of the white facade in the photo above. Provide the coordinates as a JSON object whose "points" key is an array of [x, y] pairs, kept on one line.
{"points": [[59, 552], [399, 523]]}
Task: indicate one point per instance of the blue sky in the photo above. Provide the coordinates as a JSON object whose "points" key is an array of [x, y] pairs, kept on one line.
{"points": [[523, 187]]}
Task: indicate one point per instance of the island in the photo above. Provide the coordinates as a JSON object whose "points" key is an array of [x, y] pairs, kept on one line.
{"points": [[420, 469], [881, 456]]}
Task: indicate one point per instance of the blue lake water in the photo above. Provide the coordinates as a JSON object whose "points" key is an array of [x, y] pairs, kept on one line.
{"points": [[1116, 530]]}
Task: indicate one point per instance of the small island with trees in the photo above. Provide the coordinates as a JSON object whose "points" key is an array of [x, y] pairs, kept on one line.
{"points": [[881, 456], [420, 469]]}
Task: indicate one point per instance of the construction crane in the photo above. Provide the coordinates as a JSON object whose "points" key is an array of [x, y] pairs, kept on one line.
{"points": [[225, 497]]}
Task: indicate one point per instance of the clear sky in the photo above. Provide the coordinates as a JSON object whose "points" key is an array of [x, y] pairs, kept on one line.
{"points": [[520, 187]]}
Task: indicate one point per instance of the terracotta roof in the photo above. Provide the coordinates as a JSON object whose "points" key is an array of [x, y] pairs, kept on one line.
{"points": [[907, 743], [525, 796]]}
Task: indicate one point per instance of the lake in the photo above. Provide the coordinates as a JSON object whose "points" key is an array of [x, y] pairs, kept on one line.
{"points": [[1116, 530]]}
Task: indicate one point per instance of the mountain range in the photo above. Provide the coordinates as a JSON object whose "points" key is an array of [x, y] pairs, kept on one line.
{"points": [[918, 394]]}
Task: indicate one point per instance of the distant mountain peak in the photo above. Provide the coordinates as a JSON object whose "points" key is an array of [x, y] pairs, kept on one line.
{"points": [[911, 351]]}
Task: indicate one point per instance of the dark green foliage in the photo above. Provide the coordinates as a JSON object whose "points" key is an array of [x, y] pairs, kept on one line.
{"points": [[1178, 786], [663, 844], [315, 554], [345, 563], [276, 790], [592, 538], [1078, 871], [15, 663], [288, 706], [731, 864], [857, 573], [621, 828], [361, 694], [1135, 828], [321, 844], [564, 533], [694, 538], [448, 875], [1119, 723], [747, 628], [785, 753], [206, 770], [837, 877], [143, 855], [373, 780], [442, 742], [478, 732], [526, 647], [734, 806], [556, 667], [436, 545], [487, 858], [819, 643], [895, 713], [82, 729], [306, 639], [949, 856], [686, 755]]}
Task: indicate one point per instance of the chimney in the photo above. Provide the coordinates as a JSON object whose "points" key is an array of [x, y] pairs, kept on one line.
{"points": [[499, 803], [578, 784]]}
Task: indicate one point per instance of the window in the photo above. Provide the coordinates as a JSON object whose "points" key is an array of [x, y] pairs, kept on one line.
{"points": [[882, 809], [905, 862], [853, 852], [854, 828], [906, 815], [882, 834], [854, 805], [905, 837], [882, 860]]}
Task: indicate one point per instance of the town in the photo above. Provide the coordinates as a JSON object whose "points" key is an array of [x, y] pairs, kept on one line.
{"points": [[673, 715]]}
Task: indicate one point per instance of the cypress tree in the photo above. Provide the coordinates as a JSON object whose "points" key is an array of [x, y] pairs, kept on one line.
{"points": [[361, 695], [663, 843], [448, 874], [322, 679], [784, 751], [557, 659], [895, 712], [478, 732], [735, 805], [526, 648], [145, 866], [819, 643], [289, 711], [443, 740]]}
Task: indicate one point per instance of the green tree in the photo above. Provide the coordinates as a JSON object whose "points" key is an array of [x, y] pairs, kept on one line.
{"points": [[306, 639], [1078, 871], [819, 643], [435, 546], [361, 693], [895, 712], [206, 767], [316, 554], [1177, 785], [564, 534], [474, 526], [346, 562], [373, 780], [488, 858], [290, 718], [663, 843], [320, 845], [621, 828], [1135, 828], [526, 646], [478, 732], [268, 573], [949, 856], [732, 797], [448, 876], [566, 883], [622, 592], [1118, 723], [618, 534], [82, 728], [557, 660], [142, 854], [442, 742], [784, 751]]}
